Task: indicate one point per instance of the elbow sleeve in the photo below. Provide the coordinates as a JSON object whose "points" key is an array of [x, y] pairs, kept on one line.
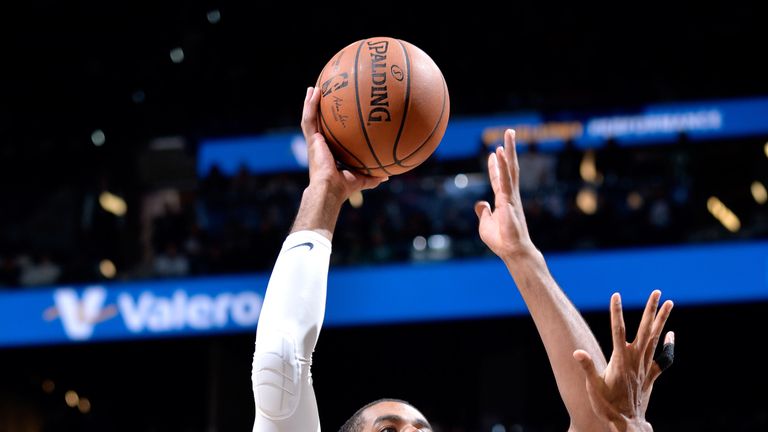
{"points": [[289, 325]]}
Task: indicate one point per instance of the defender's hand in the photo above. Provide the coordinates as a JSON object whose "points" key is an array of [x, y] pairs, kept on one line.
{"points": [[503, 229], [621, 394]]}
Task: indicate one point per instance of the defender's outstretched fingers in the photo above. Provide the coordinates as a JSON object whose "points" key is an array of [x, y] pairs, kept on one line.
{"points": [[618, 329], [646, 322], [510, 148], [499, 176], [658, 326], [493, 174], [596, 386], [667, 355], [505, 176], [588, 365], [665, 358]]}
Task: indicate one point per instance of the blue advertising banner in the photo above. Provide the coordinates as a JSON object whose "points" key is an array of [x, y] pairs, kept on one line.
{"points": [[130, 310], [689, 275], [466, 137]]}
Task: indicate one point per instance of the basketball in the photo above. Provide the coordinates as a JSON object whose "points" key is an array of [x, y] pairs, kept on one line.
{"points": [[384, 106]]}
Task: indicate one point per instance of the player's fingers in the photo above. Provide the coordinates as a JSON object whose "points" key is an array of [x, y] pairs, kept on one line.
{"points": [[318, 152], [646, 322], [372, 182], [314, 106], [618, 330], [662, 316], [311, 146], [308, 115], [369, 182], [669, 338], [587, 364], [315, 99], [510, 148], [485, 221], [505, 177], [482, 209], [656, 329], [665, 358], [357, 181], [493, 175], [317, 144], [596, 387]]}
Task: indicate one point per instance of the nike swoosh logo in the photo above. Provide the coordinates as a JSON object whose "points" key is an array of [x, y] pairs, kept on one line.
{"points": [[310, 245]]}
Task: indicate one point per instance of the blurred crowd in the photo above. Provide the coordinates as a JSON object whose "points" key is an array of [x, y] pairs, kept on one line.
{"points": [[612, 196]]}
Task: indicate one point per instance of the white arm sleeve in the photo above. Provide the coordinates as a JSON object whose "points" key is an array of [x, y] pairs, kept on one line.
{"points": [[287, 331]]}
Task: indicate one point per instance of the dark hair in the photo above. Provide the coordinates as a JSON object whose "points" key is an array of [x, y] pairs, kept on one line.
{"points": [[354, 423]]}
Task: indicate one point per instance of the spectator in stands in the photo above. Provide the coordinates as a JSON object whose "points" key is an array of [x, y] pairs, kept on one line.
{"points": [[568, 164], [170, 262], [38, 271]]}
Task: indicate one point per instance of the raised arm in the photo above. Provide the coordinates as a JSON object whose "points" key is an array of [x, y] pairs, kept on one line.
{"points": [[560, 325], [294, 305]]}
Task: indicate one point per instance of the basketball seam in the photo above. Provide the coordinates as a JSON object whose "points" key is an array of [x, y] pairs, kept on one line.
{"points": [[442, 113], [439, 119], [363, 166], [406, 103], [360, 109]]}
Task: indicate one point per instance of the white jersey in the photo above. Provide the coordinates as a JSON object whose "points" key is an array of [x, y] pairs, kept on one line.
{"points": [[288, 327]]}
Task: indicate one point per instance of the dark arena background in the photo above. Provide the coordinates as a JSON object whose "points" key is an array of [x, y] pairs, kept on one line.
{"points": [[151, 162]]}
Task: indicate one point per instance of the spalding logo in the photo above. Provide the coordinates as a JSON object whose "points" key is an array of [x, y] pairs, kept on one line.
{"points": [[379, 103]]}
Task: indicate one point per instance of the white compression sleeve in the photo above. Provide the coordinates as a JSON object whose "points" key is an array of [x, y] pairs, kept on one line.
{"points": [[288, 327]]}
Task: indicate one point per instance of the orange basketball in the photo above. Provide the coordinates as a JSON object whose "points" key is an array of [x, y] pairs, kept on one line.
{"points": [[384, 106]]}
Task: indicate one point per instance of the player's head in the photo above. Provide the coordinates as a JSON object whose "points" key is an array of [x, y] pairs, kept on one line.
{"points": [[387, 415]]}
